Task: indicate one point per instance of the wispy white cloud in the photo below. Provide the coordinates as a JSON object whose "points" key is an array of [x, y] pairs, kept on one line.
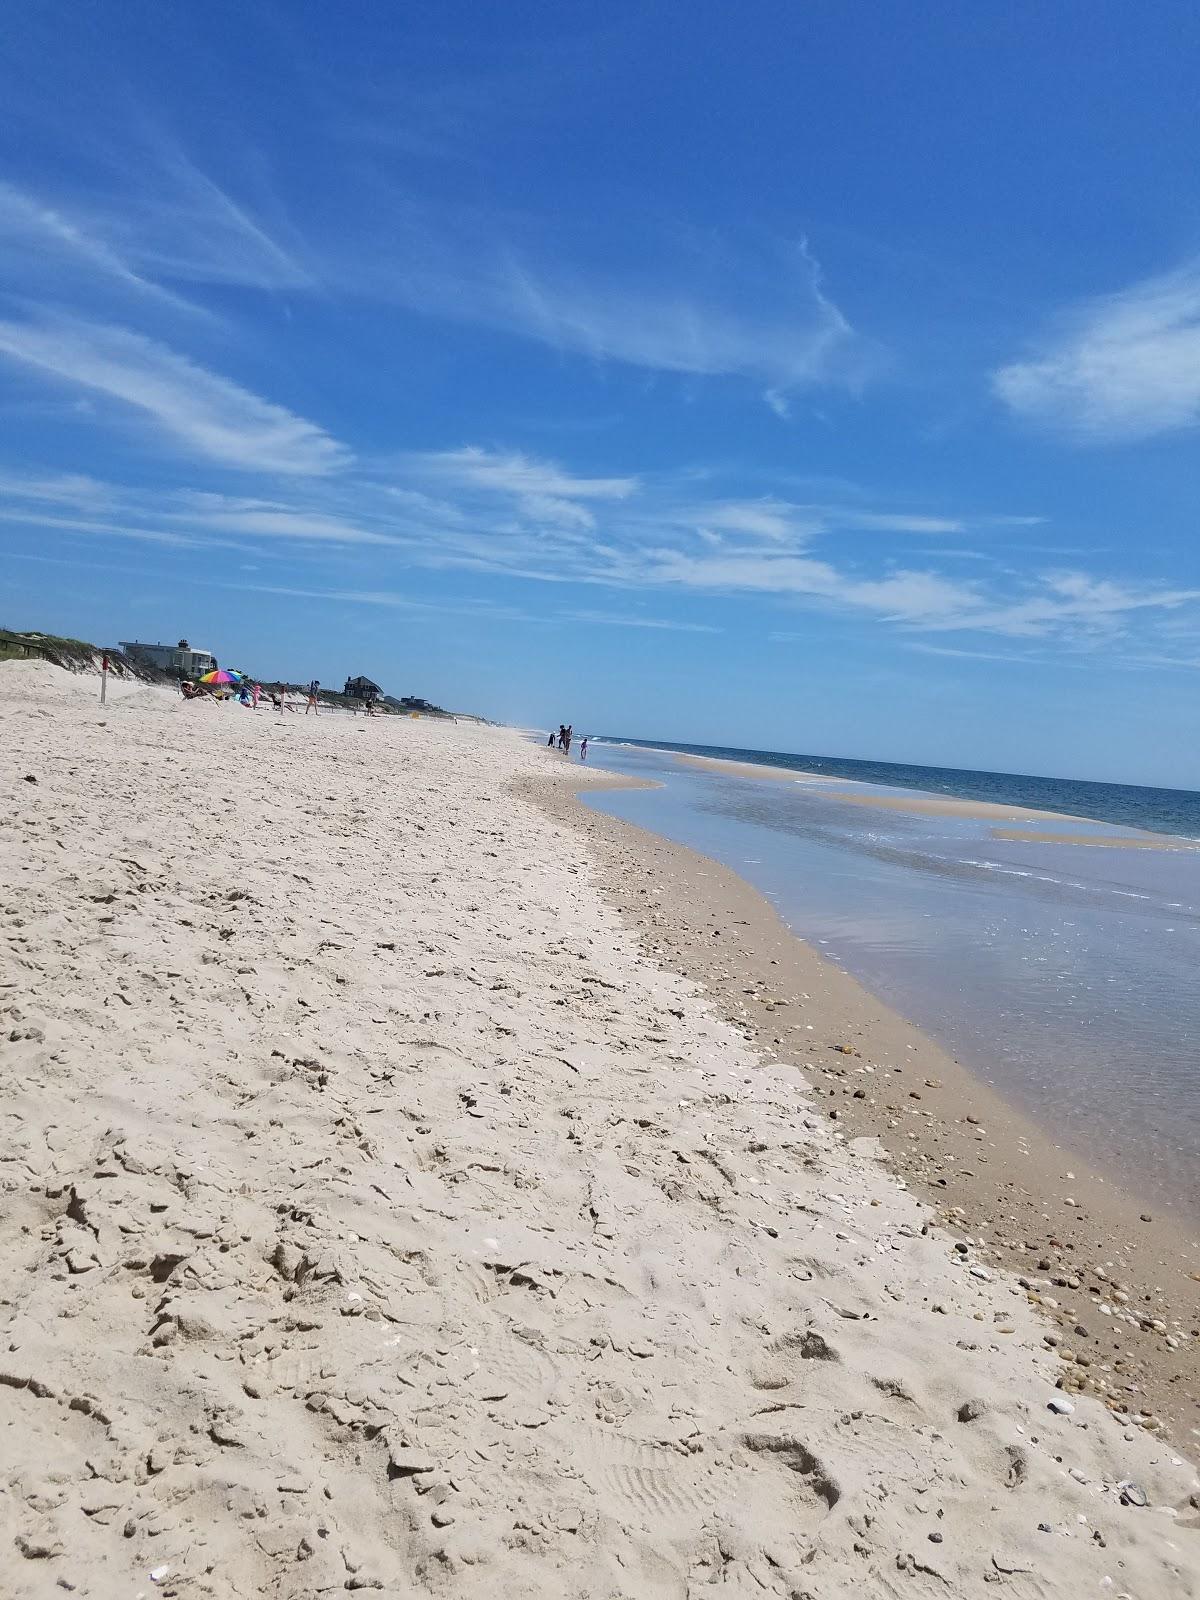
{"points": [[542, 492], [147, 222], [1069, 607], [952, 553], [689, 307], [969, 655], [1122, 367], [900, 596], [1189, 664], [643, 327], [111, 530], [481, 610], [1079, 603], [665, 624], [185, 516], [208, 415], [172, 220], [515, 474], [38, 234], [767, 518], [511, 517], [263, 520], [62, 488], [898, 522], [151, 221], [789, 523]]}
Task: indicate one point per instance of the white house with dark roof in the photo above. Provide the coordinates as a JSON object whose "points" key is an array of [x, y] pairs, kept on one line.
{"points": [[179, 657]]}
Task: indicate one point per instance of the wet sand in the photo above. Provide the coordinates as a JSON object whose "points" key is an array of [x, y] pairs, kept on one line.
{"points": [[1078, 1241], [1098, 841], [935, 806], [744, 769]]}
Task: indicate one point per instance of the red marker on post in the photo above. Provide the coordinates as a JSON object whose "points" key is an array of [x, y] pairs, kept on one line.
{"points": [[103, 679]]}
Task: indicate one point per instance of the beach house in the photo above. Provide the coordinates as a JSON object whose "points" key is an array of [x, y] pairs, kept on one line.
{"points": [[181, 657], [362, 689]]}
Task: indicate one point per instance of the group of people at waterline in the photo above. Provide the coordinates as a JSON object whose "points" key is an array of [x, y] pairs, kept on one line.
{"points": [[563, 739]]}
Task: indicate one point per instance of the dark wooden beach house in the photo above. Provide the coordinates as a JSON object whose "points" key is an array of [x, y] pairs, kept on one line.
{"points": [[362, 689]]}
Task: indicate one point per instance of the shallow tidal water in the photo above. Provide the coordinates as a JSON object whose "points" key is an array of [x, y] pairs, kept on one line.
{"points": [[1063, 974]]}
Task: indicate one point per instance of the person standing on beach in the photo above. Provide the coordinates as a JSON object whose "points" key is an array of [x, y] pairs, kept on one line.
{"points": [[550, 741], [583, 749], [567, 737], [312, 697]]}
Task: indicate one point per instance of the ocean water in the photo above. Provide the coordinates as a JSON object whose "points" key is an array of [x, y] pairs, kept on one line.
{"points": [[1063, 974], [1127, 805]]}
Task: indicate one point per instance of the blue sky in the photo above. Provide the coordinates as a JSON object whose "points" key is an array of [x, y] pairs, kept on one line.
{"points": [[809, 376]]}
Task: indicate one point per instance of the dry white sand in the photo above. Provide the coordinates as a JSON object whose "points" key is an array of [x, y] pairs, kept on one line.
{"points": [[374, 1216]]}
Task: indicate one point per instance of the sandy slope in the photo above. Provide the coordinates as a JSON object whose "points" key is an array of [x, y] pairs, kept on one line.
{"points": [[375, 1217]]}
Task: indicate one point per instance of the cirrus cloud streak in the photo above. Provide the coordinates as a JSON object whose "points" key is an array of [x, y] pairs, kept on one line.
{"points": [[208, 416]]}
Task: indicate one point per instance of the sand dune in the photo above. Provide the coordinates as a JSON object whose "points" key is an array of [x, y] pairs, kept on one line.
{"points": [[376, 1217]]}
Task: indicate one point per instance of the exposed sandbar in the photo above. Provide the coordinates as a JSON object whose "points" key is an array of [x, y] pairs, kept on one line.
{"points": [[918, 803], [1098, 841]]}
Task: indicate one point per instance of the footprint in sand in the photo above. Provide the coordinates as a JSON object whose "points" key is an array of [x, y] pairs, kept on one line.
{"points": [[647, 1478], [785, 1356], [795, 1455]]}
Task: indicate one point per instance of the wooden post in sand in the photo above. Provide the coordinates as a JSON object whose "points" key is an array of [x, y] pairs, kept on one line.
{"points": [[103, 679]]}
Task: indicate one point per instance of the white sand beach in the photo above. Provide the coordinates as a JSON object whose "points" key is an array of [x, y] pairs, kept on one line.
{"points": [[376, 1216]]}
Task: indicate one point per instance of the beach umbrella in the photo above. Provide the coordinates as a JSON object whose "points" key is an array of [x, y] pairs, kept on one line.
{"points": [[219, 676]]}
